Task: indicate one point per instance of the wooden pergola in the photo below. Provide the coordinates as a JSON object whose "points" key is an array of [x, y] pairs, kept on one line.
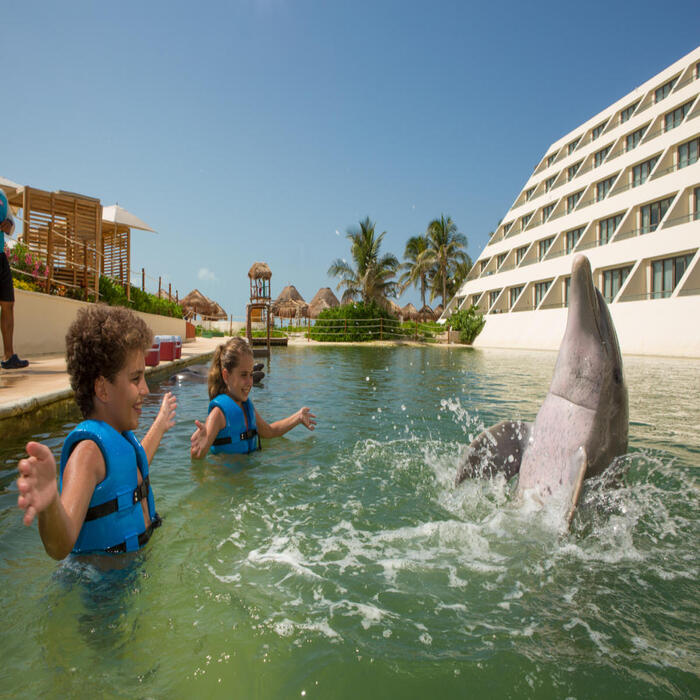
{"points": [[64, 229]]}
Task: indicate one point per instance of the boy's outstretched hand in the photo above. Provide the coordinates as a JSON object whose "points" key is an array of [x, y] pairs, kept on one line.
{"points": [[198, 442], [306, 418], [37, 481], [166, 415]]}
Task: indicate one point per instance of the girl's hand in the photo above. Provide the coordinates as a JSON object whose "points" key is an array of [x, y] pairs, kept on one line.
{"points": [[306, 418], [166, 415], [37, 481], [199, 442]]}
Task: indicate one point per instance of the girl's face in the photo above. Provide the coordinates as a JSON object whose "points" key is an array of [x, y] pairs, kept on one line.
{"points": [[239, 380], [122, 399]]}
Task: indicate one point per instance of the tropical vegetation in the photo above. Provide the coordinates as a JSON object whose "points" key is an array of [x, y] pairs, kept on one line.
{"points": [[469, 322], [371, 279]]}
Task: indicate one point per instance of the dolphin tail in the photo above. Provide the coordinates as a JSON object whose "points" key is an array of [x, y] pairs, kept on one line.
{"points": [[578, 463], [498, 450]]}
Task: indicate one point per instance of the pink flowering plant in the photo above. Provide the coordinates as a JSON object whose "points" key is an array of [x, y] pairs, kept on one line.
{"points": [[22, 260]]}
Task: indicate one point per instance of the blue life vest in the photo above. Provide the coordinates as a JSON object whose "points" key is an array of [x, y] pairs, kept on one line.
{"points": [[114, 520], [236, 437]]}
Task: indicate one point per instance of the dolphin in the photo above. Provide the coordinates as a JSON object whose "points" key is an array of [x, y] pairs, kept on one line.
{"points": [[583, 422], [199, 373]]}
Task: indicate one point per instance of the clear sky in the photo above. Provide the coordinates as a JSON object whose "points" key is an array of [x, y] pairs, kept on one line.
{"points": [[262, 129]]}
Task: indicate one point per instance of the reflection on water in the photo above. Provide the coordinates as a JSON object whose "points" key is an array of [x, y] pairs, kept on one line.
{"points": [[345, 562]]}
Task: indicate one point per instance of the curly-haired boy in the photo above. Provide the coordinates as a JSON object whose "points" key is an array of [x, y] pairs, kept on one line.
{"points": [[103, 502]]}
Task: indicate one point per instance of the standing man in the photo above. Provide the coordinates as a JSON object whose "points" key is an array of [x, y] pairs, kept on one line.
{"points": [[7, 291]]}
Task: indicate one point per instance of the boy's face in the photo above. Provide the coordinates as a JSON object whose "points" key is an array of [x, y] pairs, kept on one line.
{"points": [[122, 398], [240, 379]]}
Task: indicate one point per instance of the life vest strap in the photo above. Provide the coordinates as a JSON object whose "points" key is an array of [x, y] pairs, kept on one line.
{"points": [[103, 509], [142, 538]]}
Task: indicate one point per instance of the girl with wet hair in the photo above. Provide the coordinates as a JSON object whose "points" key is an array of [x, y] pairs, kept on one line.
{"points": [[233, 426]]}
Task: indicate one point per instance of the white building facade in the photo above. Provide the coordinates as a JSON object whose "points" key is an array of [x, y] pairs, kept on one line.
{"points": [[624, 189]]}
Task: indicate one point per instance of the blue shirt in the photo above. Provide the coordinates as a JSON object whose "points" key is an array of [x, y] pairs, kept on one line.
{"points": [[4, 214]]}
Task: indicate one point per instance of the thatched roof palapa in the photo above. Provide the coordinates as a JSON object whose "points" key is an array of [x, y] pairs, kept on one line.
{"points": [[289, 304], [196, 303], [393, 308], [438, 311], [324, 299], [409, 312], [426, 314], [260, 270]]}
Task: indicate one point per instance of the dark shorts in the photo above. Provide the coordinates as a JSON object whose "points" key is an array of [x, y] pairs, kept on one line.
{"points": [[7, 290]]}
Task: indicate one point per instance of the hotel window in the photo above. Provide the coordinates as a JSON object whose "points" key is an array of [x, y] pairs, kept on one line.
{"points": [[525, 219], [651, 214], [696, 214], [674, 118], [500, 259], [513, 295], [551, 159], [613, 280], [607, 227], [603, 187], [567, 289], [572, 238], [666, 274], [493, 296], [598, 131], [664, 91], [640, 172], [625, 114], [543, 247], [546, 211], [573, 144], [528, 193], [600, 156], [697, 71], [483, 264], [540, 291], [520, 254], [572, 201], [688, 153], [549, 182], [632, 141], [572, 170], [506, 227]]}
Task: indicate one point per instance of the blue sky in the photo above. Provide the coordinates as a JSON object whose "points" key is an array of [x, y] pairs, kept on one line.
{"points": [[263, 129]]}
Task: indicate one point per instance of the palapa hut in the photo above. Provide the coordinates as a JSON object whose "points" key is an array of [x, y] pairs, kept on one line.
{"points": [[215, 313], [409, 312], [324, 299], [393, 308], [196, 303], [290, 304], [425, 314], [438, 311]]}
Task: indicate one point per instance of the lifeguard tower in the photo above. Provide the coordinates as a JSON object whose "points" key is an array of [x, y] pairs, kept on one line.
{"points": [[258, 310]]}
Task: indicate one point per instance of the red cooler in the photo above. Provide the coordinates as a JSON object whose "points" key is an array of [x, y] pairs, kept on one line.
{"points": [[178, 347], [167, 347], [153, 354]]}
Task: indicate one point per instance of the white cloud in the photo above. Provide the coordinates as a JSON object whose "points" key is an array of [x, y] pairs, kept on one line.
{"points": [[206, 274]]}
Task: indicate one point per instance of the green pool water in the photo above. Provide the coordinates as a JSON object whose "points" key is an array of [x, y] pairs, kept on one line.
{"points": [[345, 564]]}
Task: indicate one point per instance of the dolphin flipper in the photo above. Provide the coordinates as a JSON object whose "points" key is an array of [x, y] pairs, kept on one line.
{"points": [[578, 463], [498, 449]]}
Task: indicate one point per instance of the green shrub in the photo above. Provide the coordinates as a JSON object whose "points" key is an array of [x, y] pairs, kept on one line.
{"points": [[469, 322], [354, 322], [112, 293]]}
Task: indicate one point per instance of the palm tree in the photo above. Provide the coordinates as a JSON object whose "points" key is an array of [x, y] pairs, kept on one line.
{"points": [[445, 251], [416, 269], [462, 269], [372, 278]]}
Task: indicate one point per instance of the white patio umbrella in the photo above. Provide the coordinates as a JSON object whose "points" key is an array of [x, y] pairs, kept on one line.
{"points": [[118, 215]]}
